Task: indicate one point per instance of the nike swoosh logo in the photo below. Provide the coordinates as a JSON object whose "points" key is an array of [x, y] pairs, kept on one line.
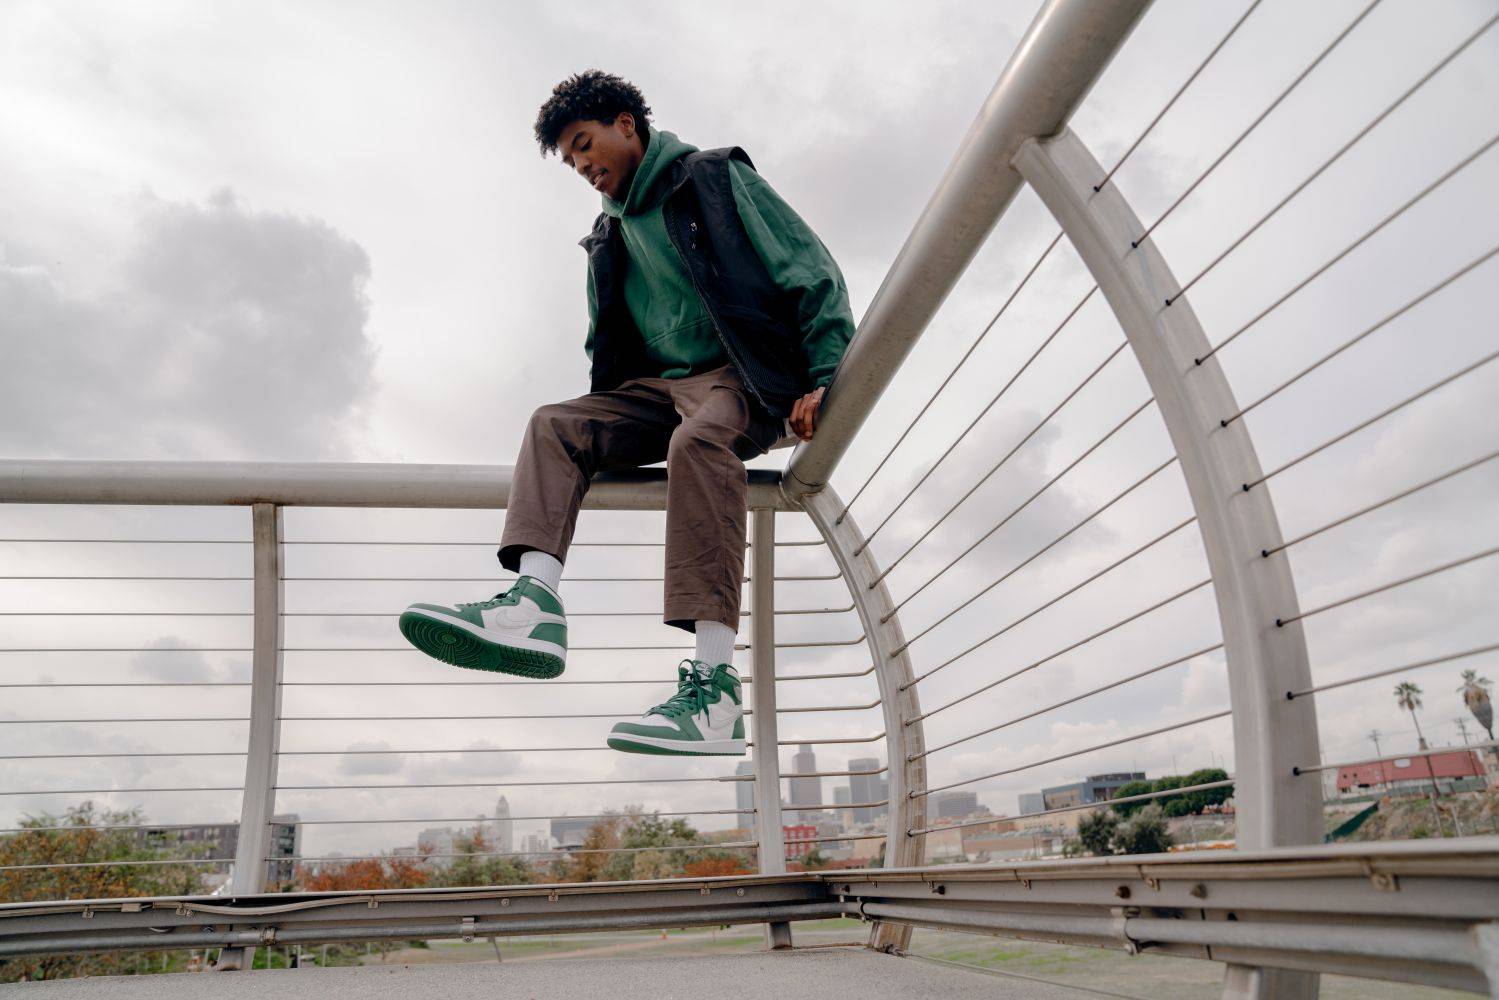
{"points": [[719, 718]]}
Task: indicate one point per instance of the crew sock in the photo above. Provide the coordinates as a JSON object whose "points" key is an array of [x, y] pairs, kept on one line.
{"points": [[715, 643], [542, 567]]}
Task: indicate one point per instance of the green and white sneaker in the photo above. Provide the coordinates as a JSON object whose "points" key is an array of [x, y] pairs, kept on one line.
{"points": [[522, 630], [704, 718]]}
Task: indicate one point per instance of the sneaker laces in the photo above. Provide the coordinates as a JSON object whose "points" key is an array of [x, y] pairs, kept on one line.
{"points": [[503, 597], [691, 696]]}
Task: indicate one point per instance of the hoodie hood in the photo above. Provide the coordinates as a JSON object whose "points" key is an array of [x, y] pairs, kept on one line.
{"points": [[646, 187]]}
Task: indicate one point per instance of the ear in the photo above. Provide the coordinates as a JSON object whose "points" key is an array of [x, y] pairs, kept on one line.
{"points": [[625, 122]]}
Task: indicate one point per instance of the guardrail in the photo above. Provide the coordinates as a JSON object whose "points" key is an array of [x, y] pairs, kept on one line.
{"points": [[994, 566], [1411, 912]]}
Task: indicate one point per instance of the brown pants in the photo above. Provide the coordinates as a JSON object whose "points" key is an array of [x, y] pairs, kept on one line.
{"points": [[703, 426]]}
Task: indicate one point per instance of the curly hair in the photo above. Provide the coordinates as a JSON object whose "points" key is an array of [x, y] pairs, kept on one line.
{"points": [[592, 95]]}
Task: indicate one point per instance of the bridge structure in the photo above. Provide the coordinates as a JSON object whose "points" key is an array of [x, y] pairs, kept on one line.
{"points": [[943, 659]]}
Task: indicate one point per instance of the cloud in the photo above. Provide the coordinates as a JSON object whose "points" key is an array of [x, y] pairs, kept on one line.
{"points": [[360, 761], [224, 332], [163, 662]]}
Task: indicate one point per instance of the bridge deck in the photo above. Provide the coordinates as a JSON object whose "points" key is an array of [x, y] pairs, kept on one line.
{"points": [[780, 975]]}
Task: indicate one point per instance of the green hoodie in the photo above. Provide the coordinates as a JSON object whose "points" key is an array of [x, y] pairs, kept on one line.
{"points": [[678, 332]]}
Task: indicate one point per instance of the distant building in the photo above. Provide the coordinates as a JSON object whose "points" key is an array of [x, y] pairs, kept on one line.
{"points": [[866, 788], [534, 843], [568, 834], [1097, 788], [220, 841], [799, 840], [954, 805], [436, 842], [1032, 802], [502, 828], [805, 791], [1399, 772], [744, 793], [843, 796]]}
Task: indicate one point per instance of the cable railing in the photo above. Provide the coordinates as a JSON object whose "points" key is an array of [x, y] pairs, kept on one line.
{"points": [[1094, 612]]}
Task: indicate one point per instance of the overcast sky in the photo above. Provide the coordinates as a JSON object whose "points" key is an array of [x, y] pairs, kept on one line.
{"points": [[323, 232]]}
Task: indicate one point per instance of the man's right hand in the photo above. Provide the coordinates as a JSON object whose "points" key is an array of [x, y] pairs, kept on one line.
{"points": [[804, 414]]}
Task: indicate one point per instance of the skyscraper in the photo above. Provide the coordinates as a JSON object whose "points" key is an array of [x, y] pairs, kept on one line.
{"points": [[502, 830], [744, 795], [806, 791], [864, 787]]}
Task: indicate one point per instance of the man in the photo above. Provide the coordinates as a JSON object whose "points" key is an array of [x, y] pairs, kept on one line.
{"points": [[716, 321]]}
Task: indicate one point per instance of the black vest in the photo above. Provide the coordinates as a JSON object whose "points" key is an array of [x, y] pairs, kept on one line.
{"points": [[756, 321]]}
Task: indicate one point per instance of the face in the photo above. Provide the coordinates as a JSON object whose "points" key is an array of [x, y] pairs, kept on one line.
{"points": [[605, 156]]}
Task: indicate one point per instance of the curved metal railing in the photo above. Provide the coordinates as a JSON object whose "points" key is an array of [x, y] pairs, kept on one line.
{"points": [[1074, 560]]}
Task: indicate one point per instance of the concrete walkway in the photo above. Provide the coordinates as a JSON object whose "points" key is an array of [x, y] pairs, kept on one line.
{"points": [[854, 973]]}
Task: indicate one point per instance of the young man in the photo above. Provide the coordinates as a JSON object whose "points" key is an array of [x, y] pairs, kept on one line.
{"points": [[716, 320]]}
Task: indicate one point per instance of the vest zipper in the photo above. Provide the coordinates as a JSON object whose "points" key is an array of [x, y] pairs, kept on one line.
{"points": [[712, 317]]}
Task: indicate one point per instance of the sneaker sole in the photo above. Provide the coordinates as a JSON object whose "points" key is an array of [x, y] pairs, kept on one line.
{"points": [[455, 642], [630, 743]]}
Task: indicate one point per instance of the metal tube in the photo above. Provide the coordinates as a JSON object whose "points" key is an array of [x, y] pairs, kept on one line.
{"points": [[258, 800], [247, 939], [1270, 733], [1063, 52], [767, 761], [898, 699], [325, 484]]}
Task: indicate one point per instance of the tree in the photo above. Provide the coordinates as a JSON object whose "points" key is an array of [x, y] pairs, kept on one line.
{"points": [[1475, 692], [478, 870], [77, 837], [708, 867], [384, 872], [1125, 791], [1171, 805], [1144, 833], [1198, 802], [1408, 697], [1095, 831]]}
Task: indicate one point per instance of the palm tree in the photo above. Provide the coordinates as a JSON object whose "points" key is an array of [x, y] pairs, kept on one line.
{"points": [[1408, 697], [1475, 692]]}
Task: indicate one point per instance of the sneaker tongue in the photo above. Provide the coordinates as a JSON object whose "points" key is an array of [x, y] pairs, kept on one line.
{"points": [[704, 670]]}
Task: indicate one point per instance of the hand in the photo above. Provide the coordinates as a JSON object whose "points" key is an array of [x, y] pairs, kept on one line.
{"points": [[804, 414]]}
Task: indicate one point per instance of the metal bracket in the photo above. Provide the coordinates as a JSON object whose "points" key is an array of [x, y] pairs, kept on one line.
{"points": [[1385, 882], [468, 929]]}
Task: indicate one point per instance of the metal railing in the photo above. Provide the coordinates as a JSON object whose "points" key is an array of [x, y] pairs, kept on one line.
{"points": [[990, 604]]}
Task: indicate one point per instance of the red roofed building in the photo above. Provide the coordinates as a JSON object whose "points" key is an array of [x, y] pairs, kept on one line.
{"points": [[1447, 766]]}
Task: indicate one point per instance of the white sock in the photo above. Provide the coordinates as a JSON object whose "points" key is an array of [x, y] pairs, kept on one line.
{"points": [[715, 643], [543, 567]]}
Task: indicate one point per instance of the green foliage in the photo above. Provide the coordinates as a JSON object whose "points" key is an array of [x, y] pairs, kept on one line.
{"points": [[480, 870], [1095, 832], [1125, 791], [1144, 833], [634, 844], [72, 838], [1198, 802], [1188, 804], [1171, 805]]}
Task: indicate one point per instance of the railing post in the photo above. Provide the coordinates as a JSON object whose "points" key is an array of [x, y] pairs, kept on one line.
{"points": [[1272, 735], [768, 833], [904, 740], [259, 796]]}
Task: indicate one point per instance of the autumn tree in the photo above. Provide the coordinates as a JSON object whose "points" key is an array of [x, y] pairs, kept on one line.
{"points": [[80, 836]]}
